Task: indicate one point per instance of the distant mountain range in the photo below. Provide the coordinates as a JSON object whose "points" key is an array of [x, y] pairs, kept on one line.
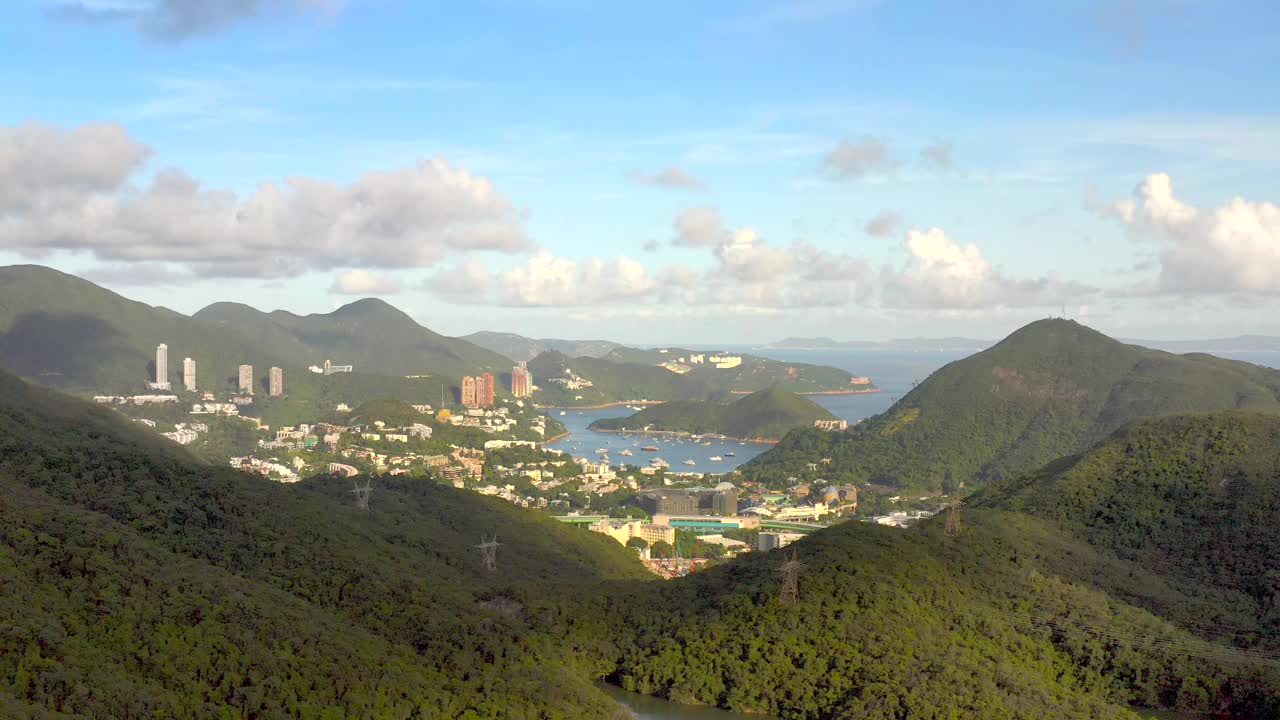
{"points": [[1050, 389], [1242, 343], [518, 347]]}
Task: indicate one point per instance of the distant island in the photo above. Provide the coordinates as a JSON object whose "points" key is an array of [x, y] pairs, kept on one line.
{"points": [[763, 416]]}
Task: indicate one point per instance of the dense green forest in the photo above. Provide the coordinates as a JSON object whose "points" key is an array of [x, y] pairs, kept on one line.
{"points": [[1050, 389], [139, 583], [1140, 574], [763, 415]]}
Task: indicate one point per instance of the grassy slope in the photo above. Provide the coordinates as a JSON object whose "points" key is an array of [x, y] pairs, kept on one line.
{"points": [[613, 382], [137, 581], [1050, 389], [765, 414], [1123, 603]]}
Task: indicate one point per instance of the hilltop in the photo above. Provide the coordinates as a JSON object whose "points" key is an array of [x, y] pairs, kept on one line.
{"points": [[762, 415], [517, 347], [1050, 389], [174, 589], [1132, 575], [370, 334], [742, 373]]}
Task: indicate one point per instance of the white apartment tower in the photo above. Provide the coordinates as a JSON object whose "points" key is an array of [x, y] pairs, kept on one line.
{"points": [[275, 382], [162, 367], [189, 374], [246, 379]]}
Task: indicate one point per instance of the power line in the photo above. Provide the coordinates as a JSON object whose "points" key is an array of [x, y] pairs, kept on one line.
{"points": [[489, 552]]}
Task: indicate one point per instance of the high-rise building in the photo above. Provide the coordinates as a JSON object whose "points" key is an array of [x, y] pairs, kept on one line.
{"points": [[724, 502], [275, 382], [469, 392], [162, 368], [189, 374], [246, 379], [486, 387], [521, 380]]}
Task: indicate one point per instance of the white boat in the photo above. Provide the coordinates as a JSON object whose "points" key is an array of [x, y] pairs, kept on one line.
{"points": [[562, 412], [659, 462], [715, 458], [601, 451], [627, 452], [731, 454], [690, 462]]}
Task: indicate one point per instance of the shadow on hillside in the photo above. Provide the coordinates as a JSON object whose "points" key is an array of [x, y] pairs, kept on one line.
{"points": [[69, 350]]}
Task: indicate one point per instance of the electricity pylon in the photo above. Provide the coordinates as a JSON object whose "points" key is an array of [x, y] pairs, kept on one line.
{"points": [[362, 491], [489, 552], [953, 528], [790, 572]]}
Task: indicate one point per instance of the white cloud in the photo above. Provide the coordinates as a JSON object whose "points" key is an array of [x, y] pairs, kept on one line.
{"points": [[1234, 248], [68, 190], [849, 160], [544, 280], [942, 274], [699, 227], [671, 177], [939, 155], [363, 282]]}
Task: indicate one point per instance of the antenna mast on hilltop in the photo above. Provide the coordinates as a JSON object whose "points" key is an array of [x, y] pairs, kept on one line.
{"points": [[953, 528], [790, 572], [489, 552], [362, 490]]}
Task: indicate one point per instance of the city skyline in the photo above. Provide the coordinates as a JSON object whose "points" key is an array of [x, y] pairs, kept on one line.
{"points": [[863, 170]]}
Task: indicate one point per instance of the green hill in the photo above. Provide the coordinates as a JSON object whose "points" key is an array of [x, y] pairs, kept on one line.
{"points": [[762, 415], [369, 334], [1050, 389], [610, 382], [1139, 574], [754, 373], [136, 582], [518, 347]]}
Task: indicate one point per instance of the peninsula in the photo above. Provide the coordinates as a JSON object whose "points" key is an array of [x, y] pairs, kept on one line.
{"points": [[763, 416]]}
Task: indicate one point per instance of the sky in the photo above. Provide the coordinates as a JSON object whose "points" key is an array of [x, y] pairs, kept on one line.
{"points": [[663, 172]]}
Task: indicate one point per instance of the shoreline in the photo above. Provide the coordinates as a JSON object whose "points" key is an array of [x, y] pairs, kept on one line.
{"points": [[561, 436], [866, 391], [600, 406], [682, 433]]}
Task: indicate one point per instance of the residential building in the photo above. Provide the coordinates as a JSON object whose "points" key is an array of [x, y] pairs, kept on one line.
{"points": [[664, 501], [521, 380], [469, 392], [486, 388], [189, 374], [246, 379], [834, 425], [162, 368], [724, 502], [622, 531], [275, 382]]}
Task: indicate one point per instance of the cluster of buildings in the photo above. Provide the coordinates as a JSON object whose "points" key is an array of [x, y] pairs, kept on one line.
{"points": [[682, 365], [329, 368], [275, 381], [186, 433], [833, 425], [479, 391], [275, 375]]}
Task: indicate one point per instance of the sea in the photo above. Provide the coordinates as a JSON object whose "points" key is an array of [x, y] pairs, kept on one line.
{"points": [[895, 372]]}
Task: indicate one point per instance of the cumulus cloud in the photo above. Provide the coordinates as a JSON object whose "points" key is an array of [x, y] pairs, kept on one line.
{"points": [[940, 273], [69, 190], [1234, 248], [545, 280], [363, 282], [699, 227], [850, 160], [173, 21], [884, 224], [939, 156], [671, 177]]}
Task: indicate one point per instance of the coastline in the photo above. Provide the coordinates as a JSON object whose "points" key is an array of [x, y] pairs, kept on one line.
{"points": [[821, 392], [561, 436], [684, 434], [600, 406]]}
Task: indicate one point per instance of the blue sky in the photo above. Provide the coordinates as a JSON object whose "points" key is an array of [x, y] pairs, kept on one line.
{"points": [[688, 172]]}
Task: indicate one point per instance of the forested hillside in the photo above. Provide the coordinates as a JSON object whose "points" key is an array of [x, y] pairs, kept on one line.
{"points": [[139, 583], [1141, 574], [762, 415], [1050, 389]]}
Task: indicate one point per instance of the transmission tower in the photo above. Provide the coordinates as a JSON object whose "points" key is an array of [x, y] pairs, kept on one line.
{"points": [[489, 552], [953, 519], [790, 572], [362, 491]]}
